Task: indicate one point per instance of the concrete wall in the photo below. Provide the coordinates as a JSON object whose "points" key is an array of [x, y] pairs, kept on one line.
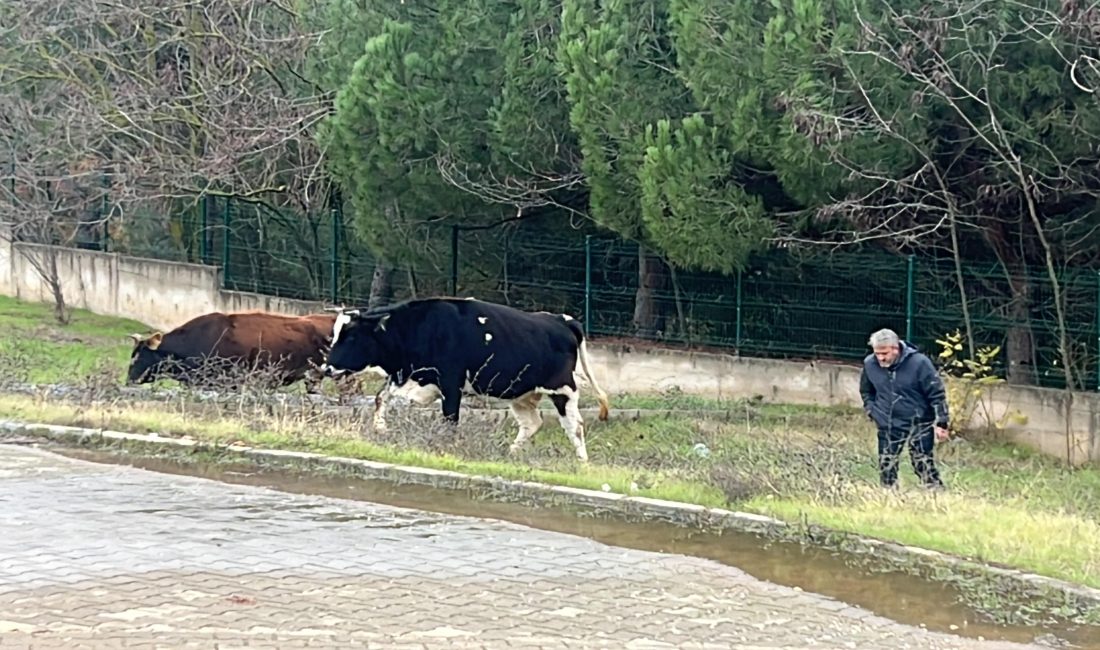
{"points": [[165, 294], [725, 376], [159, 293]]}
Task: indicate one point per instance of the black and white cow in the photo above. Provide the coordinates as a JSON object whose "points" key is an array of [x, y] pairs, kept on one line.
{"points": [[441, 348]]}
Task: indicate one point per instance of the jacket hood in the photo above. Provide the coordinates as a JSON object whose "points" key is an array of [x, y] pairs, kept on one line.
{"points": [[907, 349]]}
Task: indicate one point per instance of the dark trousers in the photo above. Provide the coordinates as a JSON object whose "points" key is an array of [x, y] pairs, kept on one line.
{"points": [[921, 440]]}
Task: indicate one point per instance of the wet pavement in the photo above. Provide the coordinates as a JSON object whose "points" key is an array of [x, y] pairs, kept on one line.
{"points": [[105, 556]]}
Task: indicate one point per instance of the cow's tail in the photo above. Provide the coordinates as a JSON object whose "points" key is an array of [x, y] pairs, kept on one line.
{"points": [[582, 356]]}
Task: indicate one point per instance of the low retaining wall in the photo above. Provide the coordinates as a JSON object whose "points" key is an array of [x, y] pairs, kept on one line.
{"points": [[165, 294]]}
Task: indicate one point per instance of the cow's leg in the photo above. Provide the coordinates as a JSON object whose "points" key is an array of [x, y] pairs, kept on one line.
{"points": [[380, 402], [567, 402], [525, 409], [452, 399]]}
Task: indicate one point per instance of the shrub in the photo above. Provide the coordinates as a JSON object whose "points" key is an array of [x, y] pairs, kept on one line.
{"points": [[967, 382]]}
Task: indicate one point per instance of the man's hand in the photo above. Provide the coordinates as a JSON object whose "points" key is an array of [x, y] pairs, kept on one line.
{"points": [[942, 433]]}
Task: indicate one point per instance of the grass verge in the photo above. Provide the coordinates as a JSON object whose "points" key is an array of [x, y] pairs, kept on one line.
{"points": [[36, 349]]}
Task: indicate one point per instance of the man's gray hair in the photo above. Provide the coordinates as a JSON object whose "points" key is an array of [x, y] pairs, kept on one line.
{"points": [[884, 337]]}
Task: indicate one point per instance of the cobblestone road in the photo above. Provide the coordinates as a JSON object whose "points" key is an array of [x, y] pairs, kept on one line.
{"points": [[104, 556]]}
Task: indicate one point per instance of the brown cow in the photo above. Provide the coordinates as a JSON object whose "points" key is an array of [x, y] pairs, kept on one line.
{"points": [[286, 348]]}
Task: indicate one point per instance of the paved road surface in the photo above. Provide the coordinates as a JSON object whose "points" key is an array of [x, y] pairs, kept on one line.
{"points": [[104, 556]]}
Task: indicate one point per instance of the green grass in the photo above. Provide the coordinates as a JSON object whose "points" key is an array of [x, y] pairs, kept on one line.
{"points": [[40, 349], [1009, 531], [815, 465]]}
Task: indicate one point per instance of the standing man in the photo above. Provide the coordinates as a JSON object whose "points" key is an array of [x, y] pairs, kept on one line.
{"points": [[905, 396]]}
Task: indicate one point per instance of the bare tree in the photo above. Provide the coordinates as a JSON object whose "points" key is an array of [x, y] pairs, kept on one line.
{"points": [[981, 99], [110, 105]]}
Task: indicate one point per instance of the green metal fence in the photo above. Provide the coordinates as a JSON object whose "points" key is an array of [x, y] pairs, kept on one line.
{"points": [[785, 304]]}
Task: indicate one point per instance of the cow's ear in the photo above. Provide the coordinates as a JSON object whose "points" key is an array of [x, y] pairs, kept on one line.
{"points": [[381, 325], [154, 341]]}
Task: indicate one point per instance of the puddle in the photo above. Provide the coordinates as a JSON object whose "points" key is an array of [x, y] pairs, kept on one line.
{"points": [[895, 595]]}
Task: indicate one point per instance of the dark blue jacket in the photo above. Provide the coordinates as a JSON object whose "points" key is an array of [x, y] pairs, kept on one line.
{"points": [[908, 392]]}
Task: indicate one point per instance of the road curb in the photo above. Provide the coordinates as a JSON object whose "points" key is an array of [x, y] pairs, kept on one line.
{"points": [[1081, 597]]}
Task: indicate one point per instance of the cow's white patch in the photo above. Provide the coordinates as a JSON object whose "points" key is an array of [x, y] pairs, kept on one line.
{"points": [[572, 422], [525, 409], [377, 371], [417, 394], [341, 321], [488, 337], [566, 317], [380, 407], [410, 391], [483, 319]]}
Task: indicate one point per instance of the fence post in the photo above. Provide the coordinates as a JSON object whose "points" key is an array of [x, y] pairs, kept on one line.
{"points": [[454, 260], [909, 297], [587, 282], [226, 217], [737, 326], [204, 232], [105, 213], [334, 214]]}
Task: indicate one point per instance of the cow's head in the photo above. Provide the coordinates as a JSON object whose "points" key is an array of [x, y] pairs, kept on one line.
{"points": [[146, 359], [355, 338]]}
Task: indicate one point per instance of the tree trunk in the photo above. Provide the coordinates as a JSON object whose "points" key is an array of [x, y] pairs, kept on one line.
{"points": [[956, 256], [1019, 349], [53, 279], [414, 292], [1020, 340], [60, 309], [647, 314], [680, 316], [381, 285]]}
